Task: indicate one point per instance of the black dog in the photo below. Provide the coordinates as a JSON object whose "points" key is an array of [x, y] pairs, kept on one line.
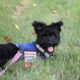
{"points": [[48, 36]]}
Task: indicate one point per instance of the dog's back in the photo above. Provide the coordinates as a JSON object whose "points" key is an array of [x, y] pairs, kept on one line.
{"points": [[7, 51]]}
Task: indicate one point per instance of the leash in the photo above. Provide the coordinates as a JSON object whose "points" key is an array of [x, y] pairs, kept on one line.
{"points": [[13, 60]]}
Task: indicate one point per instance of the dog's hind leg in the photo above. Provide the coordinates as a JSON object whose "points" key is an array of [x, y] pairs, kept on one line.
{"points": [[2, 63]]}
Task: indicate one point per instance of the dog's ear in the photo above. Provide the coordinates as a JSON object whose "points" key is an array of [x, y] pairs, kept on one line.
{"points": [[60, 23], [35, 23], [38, 26], [57, 25]]}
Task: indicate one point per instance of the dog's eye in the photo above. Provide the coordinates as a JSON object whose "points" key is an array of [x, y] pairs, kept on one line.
{"points": [[50, 33]]}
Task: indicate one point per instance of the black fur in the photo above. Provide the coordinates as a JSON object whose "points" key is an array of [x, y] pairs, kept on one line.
{"points": [[7, 51], [47, 35]]}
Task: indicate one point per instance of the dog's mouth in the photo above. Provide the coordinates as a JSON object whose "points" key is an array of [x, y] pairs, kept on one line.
{"points": [[50, 49]]}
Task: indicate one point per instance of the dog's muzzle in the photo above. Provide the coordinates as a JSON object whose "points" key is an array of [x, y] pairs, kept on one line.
{"points": [[47, 55]]}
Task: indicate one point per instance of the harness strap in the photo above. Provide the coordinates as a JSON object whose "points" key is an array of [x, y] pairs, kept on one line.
{"points": [[43, 51]]}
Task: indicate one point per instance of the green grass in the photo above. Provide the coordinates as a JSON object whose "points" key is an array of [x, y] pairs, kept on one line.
{"points": [[64, 66]]}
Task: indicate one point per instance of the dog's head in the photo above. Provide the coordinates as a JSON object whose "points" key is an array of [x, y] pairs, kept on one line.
{"points": [[48, 36]]}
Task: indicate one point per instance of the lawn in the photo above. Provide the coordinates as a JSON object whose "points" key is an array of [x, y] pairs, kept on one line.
{"points": [[66, 64]]}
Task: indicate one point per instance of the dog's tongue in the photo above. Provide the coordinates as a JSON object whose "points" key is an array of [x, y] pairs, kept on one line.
{"points": [[50, 49]]}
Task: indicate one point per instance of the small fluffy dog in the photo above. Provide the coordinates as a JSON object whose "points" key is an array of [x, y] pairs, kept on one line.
{"points": [[48, 36]]}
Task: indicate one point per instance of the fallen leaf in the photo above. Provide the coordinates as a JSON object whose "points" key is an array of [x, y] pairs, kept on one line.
{"points": [[34, 4], [16, 26], [54, 12], [8, 40], [33, 33]]}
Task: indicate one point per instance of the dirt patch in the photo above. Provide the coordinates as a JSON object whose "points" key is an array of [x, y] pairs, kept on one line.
{"points": [[20, 8]]}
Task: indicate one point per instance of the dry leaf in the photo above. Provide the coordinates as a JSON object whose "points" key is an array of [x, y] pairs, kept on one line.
{"points": [[8, 40], [34, 4], [54, 12], [16, 26]]}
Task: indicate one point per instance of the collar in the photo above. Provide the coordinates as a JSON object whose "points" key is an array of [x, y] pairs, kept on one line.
{"points": [[42, 51]]}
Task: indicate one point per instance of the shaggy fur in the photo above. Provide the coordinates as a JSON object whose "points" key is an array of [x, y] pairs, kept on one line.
{"points": [[47, 35]]}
